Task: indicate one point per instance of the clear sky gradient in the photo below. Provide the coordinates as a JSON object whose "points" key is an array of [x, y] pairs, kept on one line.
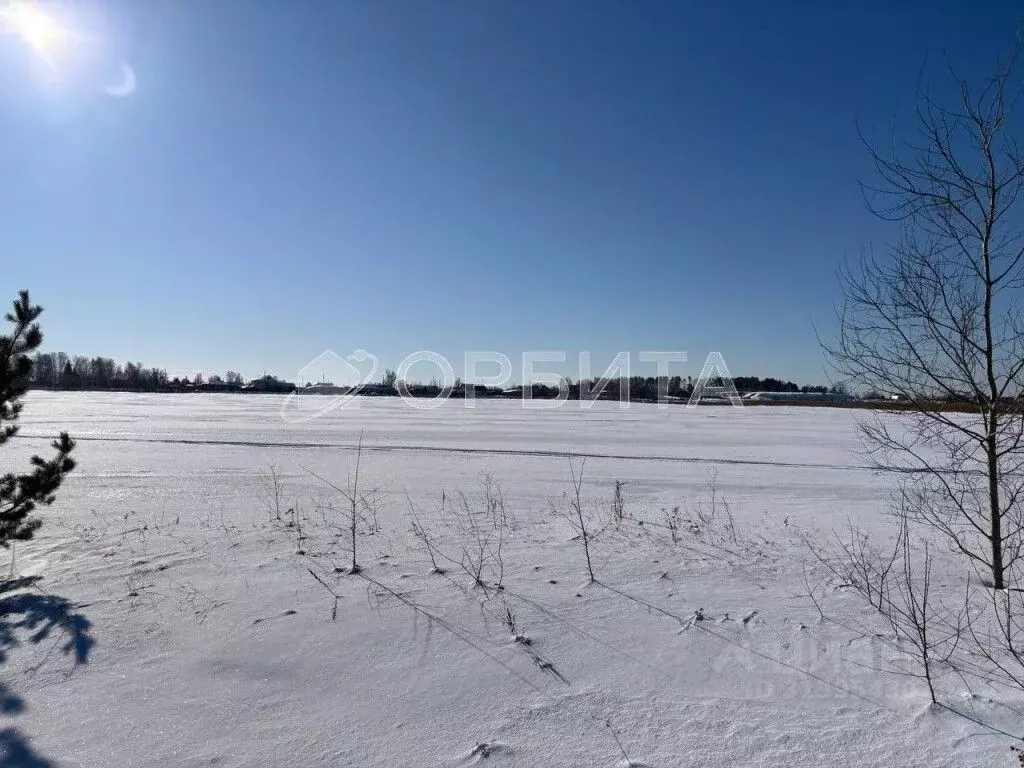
{"points": [[395, 175]]}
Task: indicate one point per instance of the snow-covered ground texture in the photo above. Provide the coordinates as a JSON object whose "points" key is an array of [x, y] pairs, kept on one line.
{"points": [[189, 614]]}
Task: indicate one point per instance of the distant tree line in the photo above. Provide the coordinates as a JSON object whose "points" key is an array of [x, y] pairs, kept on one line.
{"points": [[57, 370], [651, 388], [633, 388]]}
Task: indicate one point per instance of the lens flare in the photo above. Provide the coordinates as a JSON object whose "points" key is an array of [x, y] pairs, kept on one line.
{"points": [[35, 27]]}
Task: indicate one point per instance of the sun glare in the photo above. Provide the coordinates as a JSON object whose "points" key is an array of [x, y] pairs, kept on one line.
{"points": [[25, 19]]}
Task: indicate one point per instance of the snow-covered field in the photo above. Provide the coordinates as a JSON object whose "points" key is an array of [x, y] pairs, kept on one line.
{"points": [[211, 644]]}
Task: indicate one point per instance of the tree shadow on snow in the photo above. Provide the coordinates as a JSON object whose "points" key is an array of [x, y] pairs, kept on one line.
{"points": [[29, 614], [14, 748], [16, 752]]}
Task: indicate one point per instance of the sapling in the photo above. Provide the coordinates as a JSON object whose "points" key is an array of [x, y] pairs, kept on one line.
{"points": [[579, 519], [618, 503], [360, 508]]}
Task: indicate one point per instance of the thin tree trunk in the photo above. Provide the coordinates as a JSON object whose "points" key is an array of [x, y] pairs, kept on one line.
{"points": [[991, 437], [996, 527], [355, 500]]}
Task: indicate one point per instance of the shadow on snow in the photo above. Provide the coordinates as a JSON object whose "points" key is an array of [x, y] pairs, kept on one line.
{"points": [[29, 613]]}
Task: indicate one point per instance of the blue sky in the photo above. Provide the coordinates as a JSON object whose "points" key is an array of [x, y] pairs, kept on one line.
{"points": [[397, 175]]}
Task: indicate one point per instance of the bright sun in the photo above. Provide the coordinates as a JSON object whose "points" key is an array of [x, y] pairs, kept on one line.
{"points": [[25, 19]]}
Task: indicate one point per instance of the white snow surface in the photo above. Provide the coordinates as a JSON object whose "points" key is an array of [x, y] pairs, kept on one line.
{"points": [[212, 645]]}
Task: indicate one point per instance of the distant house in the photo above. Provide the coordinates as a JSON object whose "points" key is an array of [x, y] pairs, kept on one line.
{"points": [[269, 384], [323, 388]]}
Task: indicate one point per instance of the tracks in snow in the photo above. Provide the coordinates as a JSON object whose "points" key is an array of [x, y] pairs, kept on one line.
{"points": [[480, 451]]}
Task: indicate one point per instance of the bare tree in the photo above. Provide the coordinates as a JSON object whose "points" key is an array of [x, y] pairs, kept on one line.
{"points": [[995, 620], [359, 511], [273, 491], [480, 527], [476, 530], [855, 560], [421, 533], [716, 528], [898, 585], [926, 633], [618, 503], [936, 321], [580, 519]]}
